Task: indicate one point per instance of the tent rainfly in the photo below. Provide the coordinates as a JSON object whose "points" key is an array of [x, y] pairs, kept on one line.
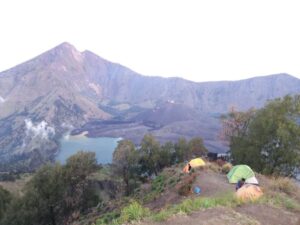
{"points": [[194, 164], [249, 192], [238, 172]]}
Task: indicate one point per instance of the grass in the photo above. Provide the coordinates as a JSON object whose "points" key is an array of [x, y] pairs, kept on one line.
{"points": [[133, 212], [280, 200], [167, 180], [283, 184], [159, 183], [213, 167], [190, 205], [136, 212], [278, 192], [16, 187], [107, 218]]}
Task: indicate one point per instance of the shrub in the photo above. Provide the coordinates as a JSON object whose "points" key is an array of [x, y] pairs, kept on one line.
{"points": [[162, 215], [184, 187], [133, 212], [190, 205], [107, 218], [280, 200], [283, 184], [158, 184], [172, 182], [214, 167], [226, 168]]}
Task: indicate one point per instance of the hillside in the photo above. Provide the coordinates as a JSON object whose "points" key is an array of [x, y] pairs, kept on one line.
{"points": [[168, 198], [216, 204], [64, 90]]}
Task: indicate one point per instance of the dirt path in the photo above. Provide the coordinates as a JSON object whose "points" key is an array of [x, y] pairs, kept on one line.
{"points": [[248, 214], [268, 215], [212, 183]]}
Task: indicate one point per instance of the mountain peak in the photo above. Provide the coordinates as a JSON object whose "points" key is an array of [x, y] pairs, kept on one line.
{"points": [[63, 51], [66, 46]]}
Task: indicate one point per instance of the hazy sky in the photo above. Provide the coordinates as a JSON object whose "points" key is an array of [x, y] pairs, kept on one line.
{"points": [[194, 39]]}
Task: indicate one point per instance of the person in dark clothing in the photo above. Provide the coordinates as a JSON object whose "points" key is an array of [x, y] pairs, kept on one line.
{"points": [[190, 167], [240, 183]]}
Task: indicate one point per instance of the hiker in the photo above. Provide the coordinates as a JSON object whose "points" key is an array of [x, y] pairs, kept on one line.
{"points": [[190, 167], [240, 183]]}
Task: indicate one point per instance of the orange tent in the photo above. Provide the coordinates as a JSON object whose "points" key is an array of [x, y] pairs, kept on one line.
{"points": [[197, 162], [249, 192]]}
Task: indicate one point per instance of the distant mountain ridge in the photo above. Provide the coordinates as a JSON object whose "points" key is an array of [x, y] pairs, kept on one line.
{"points": [[68, 90]]}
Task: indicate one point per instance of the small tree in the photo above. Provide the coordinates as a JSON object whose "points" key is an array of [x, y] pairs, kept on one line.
{"points": [[166, 155], [149, 151], [5, 198], [196, 147], [182, 150], [269, 139], [53, 194], [76, 171], [125, 160]]}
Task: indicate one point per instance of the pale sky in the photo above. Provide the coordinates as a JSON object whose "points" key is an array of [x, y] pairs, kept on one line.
{"points": [[197, 40]]}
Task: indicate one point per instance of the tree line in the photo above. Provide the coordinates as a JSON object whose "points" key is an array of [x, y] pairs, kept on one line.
{"points": [[138, 163], [54, 195], [267, 139], [58, 194]]}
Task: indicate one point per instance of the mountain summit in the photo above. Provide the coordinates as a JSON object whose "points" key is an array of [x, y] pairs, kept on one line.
{"points": [[65, 90]]}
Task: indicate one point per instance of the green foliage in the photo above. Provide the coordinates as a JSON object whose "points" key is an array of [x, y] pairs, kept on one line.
{"points": [[58, 194], [158, 184], [5, 198], [190, 205], [166, 155], [182, 150], [186, 150], [54, 194], [196, 147], [150, 155], [283, 184], [125, 159], [280, 200], [154, 157], [8, 177], [269, 139], [107, 218], [133, 212]]}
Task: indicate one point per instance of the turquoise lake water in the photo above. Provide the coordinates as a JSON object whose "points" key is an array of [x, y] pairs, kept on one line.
{"points": [[102, 146]]}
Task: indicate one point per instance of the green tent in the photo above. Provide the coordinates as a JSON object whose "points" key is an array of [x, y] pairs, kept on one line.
{"points": [[238, 172]]}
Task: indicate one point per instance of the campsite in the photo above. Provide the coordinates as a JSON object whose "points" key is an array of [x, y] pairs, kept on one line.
{"points": [[170, 198], [250, 209], [206, 194]]}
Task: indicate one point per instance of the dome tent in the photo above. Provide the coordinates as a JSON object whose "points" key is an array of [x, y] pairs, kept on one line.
{"points": [[197, 162], [249, 192], [251, 180], [238, 172]]}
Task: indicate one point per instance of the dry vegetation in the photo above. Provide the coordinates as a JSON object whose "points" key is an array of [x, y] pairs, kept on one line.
{"points": [[16, 187], [169, 199]]}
